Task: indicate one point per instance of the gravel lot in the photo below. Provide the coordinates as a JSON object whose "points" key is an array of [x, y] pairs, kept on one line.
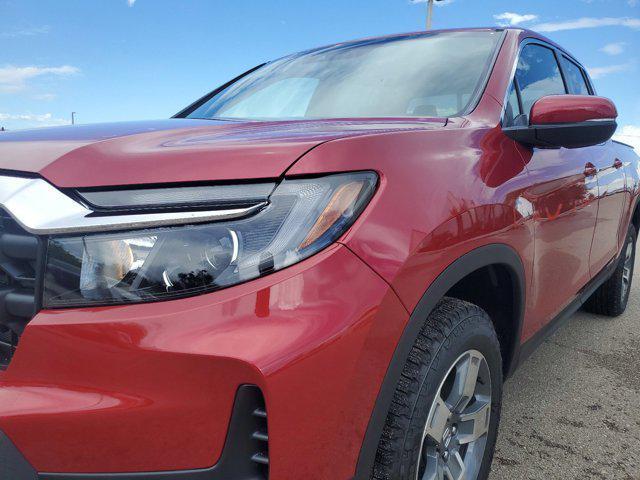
{"points": [[572, 411]]}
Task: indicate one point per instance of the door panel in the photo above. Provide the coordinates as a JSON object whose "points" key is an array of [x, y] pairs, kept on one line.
{"points": [[611, 195], [564, 198]]}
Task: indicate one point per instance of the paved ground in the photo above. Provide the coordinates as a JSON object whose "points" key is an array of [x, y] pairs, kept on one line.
{"points": [[572, 411]]}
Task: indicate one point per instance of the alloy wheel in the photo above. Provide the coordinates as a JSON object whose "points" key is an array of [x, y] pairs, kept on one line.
{"points": [[627, 270], [457, 427]]}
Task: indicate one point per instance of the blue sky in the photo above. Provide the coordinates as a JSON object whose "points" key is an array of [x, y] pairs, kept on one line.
{"points": [[112, 60]]}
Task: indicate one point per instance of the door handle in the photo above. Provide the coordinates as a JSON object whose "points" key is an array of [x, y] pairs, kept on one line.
{"points": [[590, 170], [617, 164]]}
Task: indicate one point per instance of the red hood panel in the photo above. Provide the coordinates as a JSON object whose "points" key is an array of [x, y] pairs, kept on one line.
{"points": [[176, 150]]}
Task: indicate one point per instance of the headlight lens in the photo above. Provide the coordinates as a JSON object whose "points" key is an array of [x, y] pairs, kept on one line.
{"points": [[303, 217]]}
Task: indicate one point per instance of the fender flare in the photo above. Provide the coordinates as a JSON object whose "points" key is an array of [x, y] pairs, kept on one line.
{"points": [[492, 254]]}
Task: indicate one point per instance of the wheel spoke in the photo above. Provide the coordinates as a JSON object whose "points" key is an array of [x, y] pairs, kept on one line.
{"points": [[475, 423], [465, 382], [457, 426], [437, 421], [454, 469], [627, 270], [434, 468]]}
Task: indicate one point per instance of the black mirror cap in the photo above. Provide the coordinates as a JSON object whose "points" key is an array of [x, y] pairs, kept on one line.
{"points": [[567, 135]]}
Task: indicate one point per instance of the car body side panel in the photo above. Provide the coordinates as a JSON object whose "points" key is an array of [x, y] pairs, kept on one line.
{"points": [[611, 205], [414, 228], [565, 205], [631, 164]]}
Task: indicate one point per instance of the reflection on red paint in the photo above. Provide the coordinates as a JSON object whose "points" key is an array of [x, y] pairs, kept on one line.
{"points": [[572, 109], [262, 302]]}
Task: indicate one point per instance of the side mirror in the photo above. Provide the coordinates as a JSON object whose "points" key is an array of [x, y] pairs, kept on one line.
{"points": [[569, 121]]}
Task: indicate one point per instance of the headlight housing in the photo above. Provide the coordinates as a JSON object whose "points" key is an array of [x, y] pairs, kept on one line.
{"points": [[303, 216]]}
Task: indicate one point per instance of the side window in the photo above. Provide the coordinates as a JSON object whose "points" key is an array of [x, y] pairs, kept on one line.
{"points": [[537, 75], [574, 77], [512, 111]]}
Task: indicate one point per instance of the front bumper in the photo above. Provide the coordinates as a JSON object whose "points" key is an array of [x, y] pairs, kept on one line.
{"points": [[151, 387]]}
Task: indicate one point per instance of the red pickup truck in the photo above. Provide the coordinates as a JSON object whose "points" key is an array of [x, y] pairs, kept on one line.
{"points": [[323, 269]]}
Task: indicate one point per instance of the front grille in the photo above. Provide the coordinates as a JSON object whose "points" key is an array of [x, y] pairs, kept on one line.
{"points": [[20, 260]]}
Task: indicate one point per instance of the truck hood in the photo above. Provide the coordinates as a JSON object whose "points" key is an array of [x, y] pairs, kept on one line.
{"points": [[176, 150]]}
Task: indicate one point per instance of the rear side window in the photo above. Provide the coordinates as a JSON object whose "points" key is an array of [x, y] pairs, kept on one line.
{"points": [[575, 78], [538, 75]]}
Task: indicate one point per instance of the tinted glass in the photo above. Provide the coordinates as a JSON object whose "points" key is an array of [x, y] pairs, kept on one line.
{"points": [[538, 75], [424, 75], [574, 77], [513, 107]]}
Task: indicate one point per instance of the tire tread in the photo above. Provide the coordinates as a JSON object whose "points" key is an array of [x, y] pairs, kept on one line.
{"points": [[607, 299], [436, 331]]}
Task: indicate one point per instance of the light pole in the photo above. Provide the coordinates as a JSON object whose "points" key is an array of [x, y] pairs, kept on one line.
{"points": [[73, 118], [430, 12]]}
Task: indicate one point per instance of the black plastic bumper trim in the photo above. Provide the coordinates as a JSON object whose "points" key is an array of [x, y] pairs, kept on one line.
{"points": [[13, 465]]}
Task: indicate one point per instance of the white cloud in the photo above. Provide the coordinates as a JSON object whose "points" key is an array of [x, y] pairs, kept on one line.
{"points": [[131, 2], [14, 79], [45, 97], [588, 22], [26, 120], [509, 19], [613, 48], [26, 32], [599, 72], [629, 134], [44, 117], [631, 3]]}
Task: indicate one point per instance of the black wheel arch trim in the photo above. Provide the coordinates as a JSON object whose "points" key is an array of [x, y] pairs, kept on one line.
{"points": [[492, 254]]}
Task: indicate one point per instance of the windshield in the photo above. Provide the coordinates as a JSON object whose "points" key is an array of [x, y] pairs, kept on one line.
{"points": [[426, 75]]}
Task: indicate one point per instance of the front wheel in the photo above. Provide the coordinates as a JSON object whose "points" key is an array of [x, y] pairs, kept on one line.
{"points": [[444, 418]]}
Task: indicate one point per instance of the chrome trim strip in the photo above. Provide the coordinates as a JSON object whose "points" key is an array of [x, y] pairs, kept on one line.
{"points": [[595, 120], [42, 209]]}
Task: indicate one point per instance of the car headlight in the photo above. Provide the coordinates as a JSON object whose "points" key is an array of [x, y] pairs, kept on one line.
{"points": [[302, 217]]}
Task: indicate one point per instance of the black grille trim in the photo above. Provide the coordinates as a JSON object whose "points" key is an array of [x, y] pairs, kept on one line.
{"points": [[21, 263], [260, 437]]}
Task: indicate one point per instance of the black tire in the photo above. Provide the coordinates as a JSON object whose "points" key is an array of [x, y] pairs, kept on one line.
{"points": [[611, 297], [453, 328]]}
